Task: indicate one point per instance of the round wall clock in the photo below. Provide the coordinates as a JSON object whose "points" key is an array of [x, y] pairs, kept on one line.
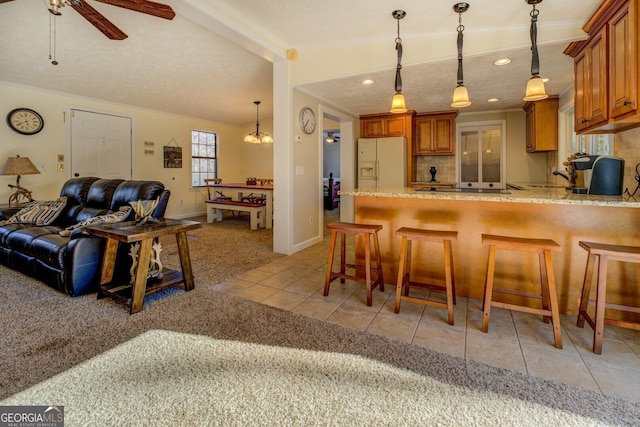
{"points": [[307, 120], [25, 121]]}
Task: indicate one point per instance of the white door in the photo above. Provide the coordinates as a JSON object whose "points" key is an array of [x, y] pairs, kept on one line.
{"points": [[100, 145]]}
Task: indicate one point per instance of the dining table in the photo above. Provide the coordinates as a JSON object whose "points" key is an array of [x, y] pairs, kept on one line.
{"points": [[241, 189]]}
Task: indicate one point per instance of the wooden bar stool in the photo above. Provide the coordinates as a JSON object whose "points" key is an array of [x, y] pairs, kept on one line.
{"points": [[543, 247], [404, 269], [368, 231], [604, 253]]}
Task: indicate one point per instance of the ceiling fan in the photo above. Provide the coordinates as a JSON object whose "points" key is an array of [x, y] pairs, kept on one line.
{"points": [[101, 22], [332, 137]]}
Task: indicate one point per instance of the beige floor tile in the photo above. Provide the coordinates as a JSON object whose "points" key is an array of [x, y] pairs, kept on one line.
{"points": [[635, 348], [284, 300], [440, 316], [305, 287], [255, 275], [391, 326], [501, 324], [615, 380], [359, 298], [613, 353], [408, 311], [534, 332], [495, 352], [444, 339], [280, 280], [233, 286], [338, 292], [352, 317], [275, 266], [257, 292], [317, 308], [628, 335], [560, 367]]}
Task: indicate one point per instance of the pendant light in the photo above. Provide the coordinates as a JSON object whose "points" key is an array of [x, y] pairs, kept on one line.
{"points": [[258, 137], [398, 104], [535, 86], [460, 94]]}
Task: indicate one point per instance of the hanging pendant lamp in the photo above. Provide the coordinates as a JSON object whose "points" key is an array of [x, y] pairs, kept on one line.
{"points": [[535, 86], [460, 94], [258, 137], [398, 104]]}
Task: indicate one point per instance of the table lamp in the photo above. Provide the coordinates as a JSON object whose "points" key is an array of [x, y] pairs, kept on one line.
{"points": [[19, 166]]}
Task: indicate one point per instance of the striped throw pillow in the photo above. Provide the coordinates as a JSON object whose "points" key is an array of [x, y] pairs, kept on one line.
{"points": [[38, 213]]}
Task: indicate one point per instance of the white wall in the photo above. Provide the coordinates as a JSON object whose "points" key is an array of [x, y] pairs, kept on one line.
{"points": [[44, 147]]}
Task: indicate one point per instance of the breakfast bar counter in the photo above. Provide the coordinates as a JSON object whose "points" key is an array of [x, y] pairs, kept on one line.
{"points": [[527, 210]]}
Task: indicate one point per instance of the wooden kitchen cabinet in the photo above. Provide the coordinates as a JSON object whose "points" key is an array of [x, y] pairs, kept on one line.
{"points": [[606, 69], [590, 67], [542, 124], [386, 125], [435, 134]]}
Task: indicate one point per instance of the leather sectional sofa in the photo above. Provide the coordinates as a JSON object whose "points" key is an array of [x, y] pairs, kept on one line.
{"points": [[72, 264]]}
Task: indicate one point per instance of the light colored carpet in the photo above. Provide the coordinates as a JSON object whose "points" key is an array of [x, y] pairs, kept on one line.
{"points": [[169, 378]]}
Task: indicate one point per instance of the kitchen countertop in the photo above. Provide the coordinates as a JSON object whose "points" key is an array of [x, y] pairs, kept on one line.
{"points": [[529, 193]]}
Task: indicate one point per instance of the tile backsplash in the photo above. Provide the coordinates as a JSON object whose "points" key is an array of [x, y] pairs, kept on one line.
{"points": [[446, 166], [627, 146]]}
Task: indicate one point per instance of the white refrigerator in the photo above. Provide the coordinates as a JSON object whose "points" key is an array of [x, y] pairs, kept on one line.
{"points": [[382, 162]]}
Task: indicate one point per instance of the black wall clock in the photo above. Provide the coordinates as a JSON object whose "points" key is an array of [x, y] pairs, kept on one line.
{"points": [[25, 121]]}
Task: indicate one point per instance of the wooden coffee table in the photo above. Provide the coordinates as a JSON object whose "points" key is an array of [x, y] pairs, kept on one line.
{"points": [[129, 232]]}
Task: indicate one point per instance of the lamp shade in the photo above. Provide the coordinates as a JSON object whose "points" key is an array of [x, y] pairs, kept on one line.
{"points": [[535, 90], [460, 97], [397, 103], [19, 166]]}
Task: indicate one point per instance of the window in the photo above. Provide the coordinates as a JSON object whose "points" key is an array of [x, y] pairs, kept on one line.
{"points": [[601, 144], [481, 155], [204, 157]]}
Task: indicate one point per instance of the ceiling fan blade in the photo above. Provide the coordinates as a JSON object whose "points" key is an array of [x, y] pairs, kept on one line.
{"points": [[5, 1], [99, 21], [144, 6]]}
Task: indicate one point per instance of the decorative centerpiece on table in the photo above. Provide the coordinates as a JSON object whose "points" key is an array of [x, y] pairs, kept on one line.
{"points": [[143, 210]]}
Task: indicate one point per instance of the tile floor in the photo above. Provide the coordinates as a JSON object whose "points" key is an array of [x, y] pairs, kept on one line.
{"points": [[516, 341]]}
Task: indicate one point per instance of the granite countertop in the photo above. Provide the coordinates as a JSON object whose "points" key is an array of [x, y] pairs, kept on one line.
{"points": [[517, 193]]}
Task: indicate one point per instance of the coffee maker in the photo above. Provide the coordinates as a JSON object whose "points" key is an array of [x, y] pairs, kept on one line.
{"points": [[601, 175]]}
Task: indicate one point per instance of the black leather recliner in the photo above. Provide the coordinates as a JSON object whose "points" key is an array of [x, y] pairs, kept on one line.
{"points": [[72, 264]]}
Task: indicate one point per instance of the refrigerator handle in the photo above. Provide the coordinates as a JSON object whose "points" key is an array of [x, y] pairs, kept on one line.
{"points": [[375, 170]]}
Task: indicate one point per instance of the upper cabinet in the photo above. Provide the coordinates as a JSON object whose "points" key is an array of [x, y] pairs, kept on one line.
{"points": [[542, 124], [385, 125], [435, 134], [606, 70]]}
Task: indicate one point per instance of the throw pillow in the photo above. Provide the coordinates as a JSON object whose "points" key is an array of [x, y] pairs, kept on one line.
{"points": [[111, 218], [38, 213]]}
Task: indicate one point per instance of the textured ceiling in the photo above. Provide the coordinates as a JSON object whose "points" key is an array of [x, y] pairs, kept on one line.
{"points": [[190, 69]]}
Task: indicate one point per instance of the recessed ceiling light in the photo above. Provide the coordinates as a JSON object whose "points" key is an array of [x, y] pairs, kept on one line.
{"points": [[545, 79], [503, 61], [367, 82], [493, 100]]}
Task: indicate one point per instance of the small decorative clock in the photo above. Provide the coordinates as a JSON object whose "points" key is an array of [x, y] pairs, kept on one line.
{"points": [[307, 120], [25, 121]]}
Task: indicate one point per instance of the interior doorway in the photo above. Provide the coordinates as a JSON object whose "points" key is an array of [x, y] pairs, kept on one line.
{"points": [[330, 169], [100, 145]]}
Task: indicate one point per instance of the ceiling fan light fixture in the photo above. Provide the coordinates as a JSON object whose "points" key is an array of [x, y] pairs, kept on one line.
{"points": [[398, 104]]}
